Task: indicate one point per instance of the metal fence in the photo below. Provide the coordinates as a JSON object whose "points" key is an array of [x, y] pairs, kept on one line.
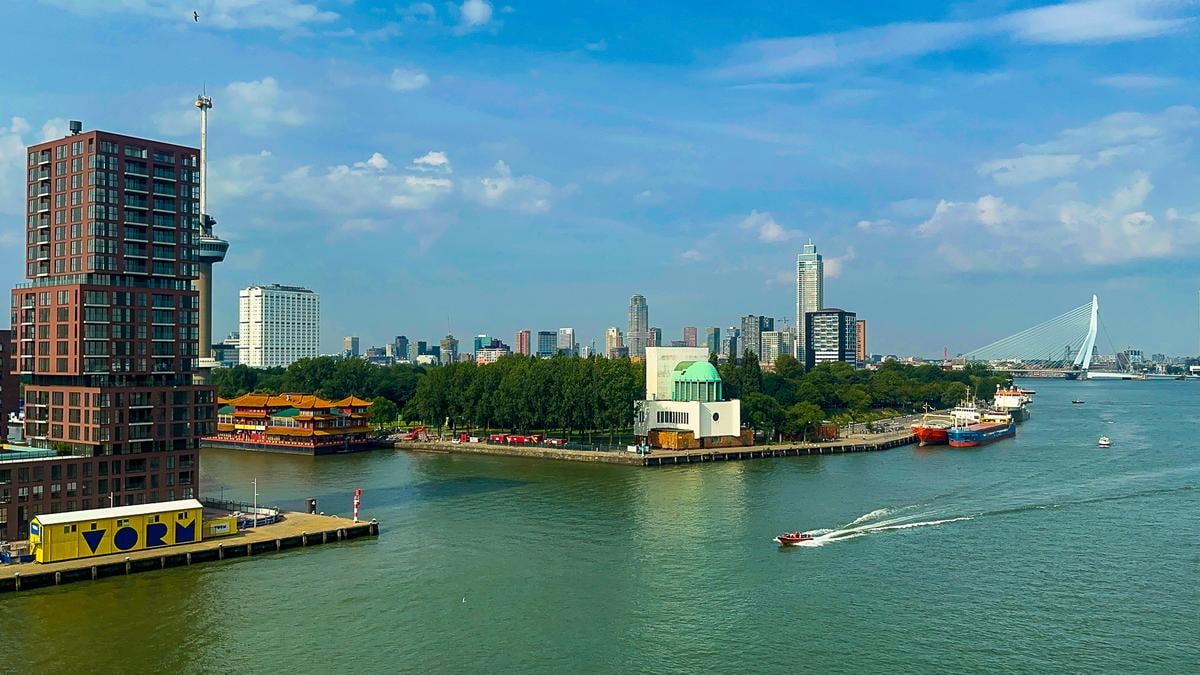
{"points": [[249, 515]]}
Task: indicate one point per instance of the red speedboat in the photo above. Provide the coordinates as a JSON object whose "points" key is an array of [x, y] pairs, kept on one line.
{"points": [[792, 538]]}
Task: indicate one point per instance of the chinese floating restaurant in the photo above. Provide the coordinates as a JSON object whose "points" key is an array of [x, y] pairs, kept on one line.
{"points": [[298, 423]]}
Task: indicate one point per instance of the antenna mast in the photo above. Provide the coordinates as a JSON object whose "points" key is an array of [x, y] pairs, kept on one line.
{"points": [[204, 103]]}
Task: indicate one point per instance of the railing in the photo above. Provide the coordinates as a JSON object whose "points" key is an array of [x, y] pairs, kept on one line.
{"points": [[248, 514]]}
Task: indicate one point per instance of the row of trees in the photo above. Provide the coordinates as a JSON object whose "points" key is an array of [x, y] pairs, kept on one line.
{"points": [[519, 392], [583, 396]]}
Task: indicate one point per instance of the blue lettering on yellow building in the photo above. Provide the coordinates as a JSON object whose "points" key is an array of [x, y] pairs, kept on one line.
{"points": [[122, 529]]}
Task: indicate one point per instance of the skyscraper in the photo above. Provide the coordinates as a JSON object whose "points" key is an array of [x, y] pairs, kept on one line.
{"points": [[481, 341], [810, 291], [638, 336], [278, 325], [613, 341], [566, 341], [712, 339], [655, 338], [689, 336], [773, 344], [860, 351], [449, 351], [523, 340], [9, 384], [400, 347], [106, 329], [751, 337], [350, 346], [547, 343], [830, 336]]}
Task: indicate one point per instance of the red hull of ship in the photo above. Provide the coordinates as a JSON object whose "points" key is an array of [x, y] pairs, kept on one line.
{"points": [[931, 435]]}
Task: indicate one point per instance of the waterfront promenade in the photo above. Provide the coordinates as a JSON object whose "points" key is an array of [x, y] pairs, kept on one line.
{"points": [[296, 530], [660, 457]]}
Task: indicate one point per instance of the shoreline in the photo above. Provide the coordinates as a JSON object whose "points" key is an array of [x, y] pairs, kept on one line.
{"points": [[854, 443]]}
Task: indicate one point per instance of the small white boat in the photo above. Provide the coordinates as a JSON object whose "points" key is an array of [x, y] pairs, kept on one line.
{"points": [[1104, 442]]}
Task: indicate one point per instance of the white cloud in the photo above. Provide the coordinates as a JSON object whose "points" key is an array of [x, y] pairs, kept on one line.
{"points": [[597, 46], [14, 139], [260, 104], [992, 234], [881, 226], [835, 265], [692, 255], [1095, 145], [256, 106], [764, 226], [473, 15], [408, 79], [1136, 81], [1092, 21], [1029, 169], [524, 193], [377, 161], [433, 161], [289, 15], [1086, 21]]}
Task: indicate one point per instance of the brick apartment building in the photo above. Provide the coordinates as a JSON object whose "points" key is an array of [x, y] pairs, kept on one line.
{"points": [[9, 384], [105, 330]]}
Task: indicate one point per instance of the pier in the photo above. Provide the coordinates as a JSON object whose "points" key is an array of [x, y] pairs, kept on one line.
{"points": [[296, 530], [661, 457]]}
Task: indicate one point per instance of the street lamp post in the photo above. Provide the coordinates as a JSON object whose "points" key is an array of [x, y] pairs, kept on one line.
{"points": [[255, 483]]}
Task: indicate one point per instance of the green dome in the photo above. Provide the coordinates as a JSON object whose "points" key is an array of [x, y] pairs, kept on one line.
{"points": [[696, 371]]}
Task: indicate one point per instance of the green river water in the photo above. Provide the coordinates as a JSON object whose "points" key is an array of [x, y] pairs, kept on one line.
{"points": [[1037, 554]]}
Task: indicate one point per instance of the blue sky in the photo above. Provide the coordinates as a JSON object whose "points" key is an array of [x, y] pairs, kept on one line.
{"points": [[968, 169]]}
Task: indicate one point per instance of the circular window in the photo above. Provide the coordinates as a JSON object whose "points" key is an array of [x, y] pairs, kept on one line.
{"points": [[716, 416]]}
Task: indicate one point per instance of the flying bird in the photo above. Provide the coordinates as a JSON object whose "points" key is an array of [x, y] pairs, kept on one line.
{"points": [[195, 16]]}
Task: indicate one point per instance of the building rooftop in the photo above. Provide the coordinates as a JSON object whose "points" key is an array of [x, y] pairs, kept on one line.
{"points": [[696, 371], [119, 511]]}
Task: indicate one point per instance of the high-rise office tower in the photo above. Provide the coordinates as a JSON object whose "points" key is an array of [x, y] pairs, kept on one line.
{"points": [[655, 338], [712, 339], [210, 250], [482, 340], [547, 343], [106, 330], [566, 341], [613, 342], [638, 337], [831, 335], [751, 336], [689, 336], [860, 351], [400, 347], [449, 350], [278, 325], [9, 384], [773, 344], [810, 291], [523, 339], [350, 346]]}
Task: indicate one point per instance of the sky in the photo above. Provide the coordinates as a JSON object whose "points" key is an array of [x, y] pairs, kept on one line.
{"points": [[967, 169]]}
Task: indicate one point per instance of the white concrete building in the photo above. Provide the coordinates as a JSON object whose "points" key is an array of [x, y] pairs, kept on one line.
{"points": [[278, 325], [684, 393]]}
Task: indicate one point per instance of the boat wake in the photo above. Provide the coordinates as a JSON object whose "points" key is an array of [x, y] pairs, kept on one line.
{"points": [[870, 524]]}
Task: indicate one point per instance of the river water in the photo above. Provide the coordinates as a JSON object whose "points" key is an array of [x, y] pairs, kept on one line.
{"points": [[1038, 554]]}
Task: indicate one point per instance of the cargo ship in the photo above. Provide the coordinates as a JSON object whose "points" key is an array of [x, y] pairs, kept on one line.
{"points": [[933, 427], [1013, 401], [991, 427]]}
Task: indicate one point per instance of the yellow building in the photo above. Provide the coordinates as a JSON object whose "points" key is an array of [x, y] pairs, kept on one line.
{"points": [[83, 534]]}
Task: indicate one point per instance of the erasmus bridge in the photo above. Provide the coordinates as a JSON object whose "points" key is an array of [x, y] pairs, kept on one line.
{"points": [[1063, 346]]}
